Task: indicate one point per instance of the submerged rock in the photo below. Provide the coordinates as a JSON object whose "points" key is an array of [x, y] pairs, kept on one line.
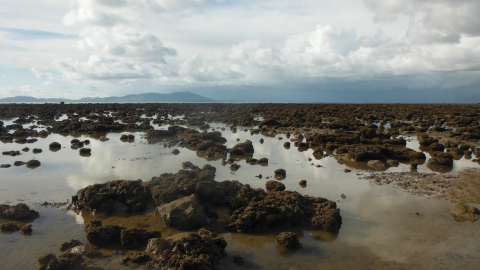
{"points": [[463, 212], [288, 240], [9, 227]]}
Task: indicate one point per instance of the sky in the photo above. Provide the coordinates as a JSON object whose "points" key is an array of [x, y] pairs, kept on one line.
{"points": [[244, 50]]}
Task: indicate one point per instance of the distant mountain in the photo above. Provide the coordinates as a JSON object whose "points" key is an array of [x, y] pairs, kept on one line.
{"points": [[135, 98]]}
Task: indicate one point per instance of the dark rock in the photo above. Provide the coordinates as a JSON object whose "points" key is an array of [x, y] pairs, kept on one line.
{"points": [[137, 238], [26, 149], [37, 150], [234, 167], [5, 166], [102, 235], [302, 183], [85, 151], [242, 149], [194, 252], [285, 209], [20, 211], [288, 240], [27, 229], [175, 151], [9, 227], [66, 260], [19, 163], [119, 196], [55, 145], [274, 186], [33, 163], [280, 174]]}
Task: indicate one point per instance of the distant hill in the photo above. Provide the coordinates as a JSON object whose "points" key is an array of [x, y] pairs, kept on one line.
{"points": [[135, 98]]}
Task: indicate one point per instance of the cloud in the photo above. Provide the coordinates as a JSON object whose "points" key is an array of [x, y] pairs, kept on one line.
{"points": [[42, 75], [194, 70], [437, 21]]}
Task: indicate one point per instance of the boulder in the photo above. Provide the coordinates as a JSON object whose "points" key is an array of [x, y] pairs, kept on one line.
{"points": [[274, 186], [185, 213], [288, 240]]}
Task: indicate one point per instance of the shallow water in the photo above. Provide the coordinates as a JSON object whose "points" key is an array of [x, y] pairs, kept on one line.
{"points": [[380, 229]]}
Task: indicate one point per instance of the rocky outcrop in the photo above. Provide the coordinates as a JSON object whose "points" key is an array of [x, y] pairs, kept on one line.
{"points": [[242, 149]]}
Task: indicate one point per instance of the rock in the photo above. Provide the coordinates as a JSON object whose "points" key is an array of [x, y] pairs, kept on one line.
{"points": [[185, 213], [103, 139], [55, 145], [413, 166], [175, 151], [436, 147], [285, 209], [347, 170], [5, 166], [242, 149], [274, 186], [261, 141], [463, 212], [303, 183], [234, 167], [157, 245], [19, 163], [26, 149], [18, 212], [37, 150], [74, 141], [288, 240], [85, 151], [102, 235], [280, 174], [27, 229], [343, 196], [238, 260], [137, 238], [119, 196], [439, 161], [376, 164], [70, 244], [9, 227], [33, 163], [194, 252], [66, 260]]}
